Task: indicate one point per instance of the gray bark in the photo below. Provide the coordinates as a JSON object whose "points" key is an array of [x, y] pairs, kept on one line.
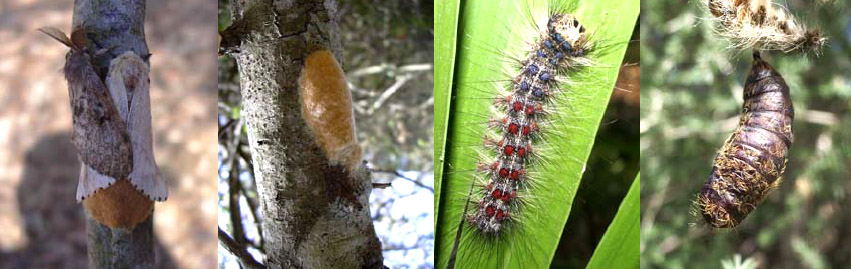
{"points": [[314, 215], [117, 26]]}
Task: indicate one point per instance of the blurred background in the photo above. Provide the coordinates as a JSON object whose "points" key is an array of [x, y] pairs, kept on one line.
{"points": [[388, 59], [43, 226], [691, 103]]}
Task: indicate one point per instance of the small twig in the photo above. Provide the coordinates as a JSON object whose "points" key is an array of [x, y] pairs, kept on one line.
{"points": [[378, 185], [371, 70], [399, 175], [387, 93], [245, 258]]}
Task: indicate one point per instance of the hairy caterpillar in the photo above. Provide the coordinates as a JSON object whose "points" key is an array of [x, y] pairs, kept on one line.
{"points": [[758, 24], [753, 159], [492, 64], [562, 45]]}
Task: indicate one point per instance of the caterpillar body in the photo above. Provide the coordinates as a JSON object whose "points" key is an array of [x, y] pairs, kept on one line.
{"points": [[758, 24], [524, 110], [753, 159], [563, 43]]}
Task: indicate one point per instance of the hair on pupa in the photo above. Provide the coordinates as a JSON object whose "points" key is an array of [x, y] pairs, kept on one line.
{"points": [[763, 26], [752, 161]]}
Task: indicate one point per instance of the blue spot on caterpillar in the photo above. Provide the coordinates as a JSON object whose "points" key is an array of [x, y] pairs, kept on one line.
{"points": [[752, 161]]}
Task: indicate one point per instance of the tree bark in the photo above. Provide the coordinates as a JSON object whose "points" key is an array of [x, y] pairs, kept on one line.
{"points": [[116, 26], [314, 214]]}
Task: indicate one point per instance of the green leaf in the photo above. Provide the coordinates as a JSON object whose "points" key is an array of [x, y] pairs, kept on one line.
{"points": [[619, 246], [444, 55], [487, 30]]}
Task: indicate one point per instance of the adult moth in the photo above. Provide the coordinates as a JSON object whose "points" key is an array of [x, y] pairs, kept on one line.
{"points": [[753, 159], [100, 135], [758, 24], [111, 120]]}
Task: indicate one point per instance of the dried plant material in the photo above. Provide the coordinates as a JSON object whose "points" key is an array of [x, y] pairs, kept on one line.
{"points": [[752, 161], [326, 105], [760, 25]]}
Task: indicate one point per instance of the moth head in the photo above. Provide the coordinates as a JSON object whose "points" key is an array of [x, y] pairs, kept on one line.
{"points": [[568, 34]]}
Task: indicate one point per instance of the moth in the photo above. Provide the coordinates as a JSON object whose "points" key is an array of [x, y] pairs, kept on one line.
{"points": [[111, 120], [758, 24], [753, 159]]}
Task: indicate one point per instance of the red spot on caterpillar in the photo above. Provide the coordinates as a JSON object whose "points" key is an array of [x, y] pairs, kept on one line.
{"points": [[499, 215], [490, 210], [497, 194], [503, 173], [518, 106], [513, 128], [521, 152], [515, 175], [509, 150]]}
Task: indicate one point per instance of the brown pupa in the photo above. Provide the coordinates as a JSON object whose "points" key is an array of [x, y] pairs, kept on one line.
{"points": [[753, 159]]}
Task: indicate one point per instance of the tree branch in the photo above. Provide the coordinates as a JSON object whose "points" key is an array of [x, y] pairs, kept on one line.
{"points": [[239, 251], [115, 27], [315, 214]]}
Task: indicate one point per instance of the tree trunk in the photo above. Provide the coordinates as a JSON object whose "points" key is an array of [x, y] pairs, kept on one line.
{"points": [[117, 26], [314, 214]]}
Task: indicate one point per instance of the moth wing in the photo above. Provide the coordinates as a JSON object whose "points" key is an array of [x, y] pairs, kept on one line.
{"points": [[90, 182], [128, 79], [100, 135], [58, 35]]}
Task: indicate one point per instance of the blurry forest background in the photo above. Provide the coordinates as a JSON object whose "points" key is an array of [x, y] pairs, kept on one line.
{"points": [[388, 60], [691, 103], [43, 226]]}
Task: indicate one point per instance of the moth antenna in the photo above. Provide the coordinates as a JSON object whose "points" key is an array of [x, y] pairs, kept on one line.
{"points": [[58, 35]]}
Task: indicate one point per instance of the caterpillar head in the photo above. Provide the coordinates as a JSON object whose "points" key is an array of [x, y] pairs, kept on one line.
{"points": [[813, 40], [568, 34]]}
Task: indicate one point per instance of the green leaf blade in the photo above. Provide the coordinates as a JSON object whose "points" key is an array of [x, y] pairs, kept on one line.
{"points": [[486, 27]]}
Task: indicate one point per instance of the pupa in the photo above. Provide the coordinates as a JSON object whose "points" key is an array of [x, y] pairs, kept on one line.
{"points": [[753, 159]]}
